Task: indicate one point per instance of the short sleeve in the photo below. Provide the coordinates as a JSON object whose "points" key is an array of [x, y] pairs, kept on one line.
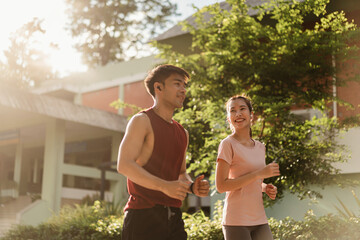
{"points": [[262, 146], [225, 151]]}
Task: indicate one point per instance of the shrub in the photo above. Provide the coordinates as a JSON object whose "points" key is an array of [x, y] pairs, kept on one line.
{"points": [[22, 232], [329, 227], [81, 222], [200, 227], [316, 228], [344, 211], [94, 223]]}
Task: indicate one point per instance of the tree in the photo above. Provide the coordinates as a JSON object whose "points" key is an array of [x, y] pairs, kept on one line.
{"points": [[110, 30], [282, 65], [26, 65]]}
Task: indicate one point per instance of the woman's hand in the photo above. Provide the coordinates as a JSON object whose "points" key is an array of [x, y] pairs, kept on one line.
{"points": [[270, 170], [271, 191]]}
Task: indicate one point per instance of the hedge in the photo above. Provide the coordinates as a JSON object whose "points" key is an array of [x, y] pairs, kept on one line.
{"points": [[97, 222]]}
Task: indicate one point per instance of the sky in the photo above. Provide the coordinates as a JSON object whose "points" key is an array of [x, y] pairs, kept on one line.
{"points": [[65, 59]]}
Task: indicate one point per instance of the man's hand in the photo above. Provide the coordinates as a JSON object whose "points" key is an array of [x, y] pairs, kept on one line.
{"points": [[176, 189], [201, 187], [271, 191]]}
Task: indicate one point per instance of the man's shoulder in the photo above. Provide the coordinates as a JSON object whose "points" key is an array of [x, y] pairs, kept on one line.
{"points": [[139, 120], [140, 115]]}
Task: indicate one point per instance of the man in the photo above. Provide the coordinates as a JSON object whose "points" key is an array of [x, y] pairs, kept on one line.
{"points": [[152, 157]]}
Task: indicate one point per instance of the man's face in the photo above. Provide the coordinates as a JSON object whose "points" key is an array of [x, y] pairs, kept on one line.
{"points": [[174, 90]]}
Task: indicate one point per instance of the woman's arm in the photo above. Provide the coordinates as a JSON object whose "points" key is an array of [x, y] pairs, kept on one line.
{"points": [[224, 184]]}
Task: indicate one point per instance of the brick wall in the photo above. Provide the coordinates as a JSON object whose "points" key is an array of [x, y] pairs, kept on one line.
{"points": [[101, 99], [351, 92], [135, 93]]}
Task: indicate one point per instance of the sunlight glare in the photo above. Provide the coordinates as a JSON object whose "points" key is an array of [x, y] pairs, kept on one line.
{"points": [[15, 13]]}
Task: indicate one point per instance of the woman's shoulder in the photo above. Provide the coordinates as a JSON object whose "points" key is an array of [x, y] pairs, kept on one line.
{"points": [[225, 143], [228, 139], [259, 143]]}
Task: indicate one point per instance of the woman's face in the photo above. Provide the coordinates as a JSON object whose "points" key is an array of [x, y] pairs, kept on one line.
{"points": [[239, 115]]}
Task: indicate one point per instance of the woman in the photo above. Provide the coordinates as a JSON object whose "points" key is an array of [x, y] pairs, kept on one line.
{"points": [[240, 171]]}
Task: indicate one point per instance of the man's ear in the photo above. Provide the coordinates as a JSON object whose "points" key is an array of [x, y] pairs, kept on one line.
{"points": [[157, 85]]}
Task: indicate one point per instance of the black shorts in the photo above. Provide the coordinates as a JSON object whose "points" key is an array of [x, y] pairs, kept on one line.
{"points": [[158, 223]]}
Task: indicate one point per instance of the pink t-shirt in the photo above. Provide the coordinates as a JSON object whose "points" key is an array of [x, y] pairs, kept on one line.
{"points": [[243, 207]]}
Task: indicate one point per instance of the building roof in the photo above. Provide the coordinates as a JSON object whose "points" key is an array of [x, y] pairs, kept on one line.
{"points": [[60, 109], [112, 74], [177, 29]]}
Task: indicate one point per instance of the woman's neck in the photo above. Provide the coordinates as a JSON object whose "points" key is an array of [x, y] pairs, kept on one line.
{"points": [[243, 137]]}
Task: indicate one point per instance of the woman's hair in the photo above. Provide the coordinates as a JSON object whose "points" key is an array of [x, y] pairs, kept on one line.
{"points": [[160, 73], [247, 102], [243, 97]]}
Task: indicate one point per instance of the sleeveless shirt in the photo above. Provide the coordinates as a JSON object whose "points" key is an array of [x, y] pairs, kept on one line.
{"points": [[165, 162]]}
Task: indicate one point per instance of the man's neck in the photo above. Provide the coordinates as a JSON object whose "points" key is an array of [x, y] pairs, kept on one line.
{"points": [[164, 112]]}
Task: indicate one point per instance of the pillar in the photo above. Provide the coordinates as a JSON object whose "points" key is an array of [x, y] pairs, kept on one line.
{"points": [[17, 167], [53, 162]]}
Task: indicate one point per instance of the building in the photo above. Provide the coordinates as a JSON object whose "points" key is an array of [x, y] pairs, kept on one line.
{"points": [[50, 149]]}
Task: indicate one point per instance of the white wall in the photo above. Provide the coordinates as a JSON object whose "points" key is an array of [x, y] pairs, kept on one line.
{"points": [[352, 140]]}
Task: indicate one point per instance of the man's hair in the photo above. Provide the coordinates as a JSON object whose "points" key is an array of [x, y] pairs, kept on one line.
{"points": [[160, 73]]}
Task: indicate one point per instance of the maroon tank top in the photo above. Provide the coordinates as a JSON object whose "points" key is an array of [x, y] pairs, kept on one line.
{"points": [[165, 162]]}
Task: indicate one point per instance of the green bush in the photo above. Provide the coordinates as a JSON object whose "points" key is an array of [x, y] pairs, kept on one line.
{"points": [[95, 223], [329, 227], [200, 227], [344, 211], [76, 223], [316, 228]]}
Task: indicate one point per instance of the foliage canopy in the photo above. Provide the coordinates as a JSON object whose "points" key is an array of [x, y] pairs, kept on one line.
{"points": [[25, 63], [108, 30], [283, 58]]}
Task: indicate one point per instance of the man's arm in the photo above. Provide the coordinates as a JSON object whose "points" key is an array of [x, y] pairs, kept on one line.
{"points": [[200, 187], [183, 174], [130, 149]]}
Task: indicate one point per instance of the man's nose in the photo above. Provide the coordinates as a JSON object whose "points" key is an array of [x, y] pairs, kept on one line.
{"points": [[183, 89]]}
